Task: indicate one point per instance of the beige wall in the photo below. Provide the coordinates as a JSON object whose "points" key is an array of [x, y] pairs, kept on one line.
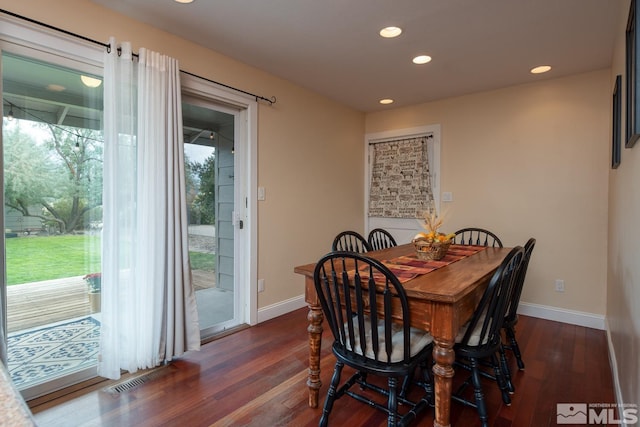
{"points": [[623, 274], [530, 161], [309, 148]]}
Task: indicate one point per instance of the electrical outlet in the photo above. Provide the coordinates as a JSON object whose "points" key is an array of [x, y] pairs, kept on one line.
{"points": [[559, 285], [260, 285]]}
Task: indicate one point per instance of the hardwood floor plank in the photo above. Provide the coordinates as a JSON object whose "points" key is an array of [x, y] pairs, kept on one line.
{"points": [[257, 377]]}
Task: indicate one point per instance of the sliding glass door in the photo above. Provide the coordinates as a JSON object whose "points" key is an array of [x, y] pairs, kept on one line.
{"points": [[51, 177], [52, 172]]}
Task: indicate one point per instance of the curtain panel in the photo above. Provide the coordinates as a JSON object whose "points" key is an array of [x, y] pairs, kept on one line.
{"points": [[400, 181], [149, 310]]}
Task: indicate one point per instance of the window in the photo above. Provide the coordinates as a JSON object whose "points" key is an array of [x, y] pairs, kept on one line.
{"points": [[413, 191], [400, 185]]}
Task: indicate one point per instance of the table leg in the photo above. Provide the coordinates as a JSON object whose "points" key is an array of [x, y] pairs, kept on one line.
{"points": [[444, 357], [315, 318]]}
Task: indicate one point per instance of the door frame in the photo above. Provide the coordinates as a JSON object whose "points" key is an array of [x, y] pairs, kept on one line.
{"points": [[246, 166]]}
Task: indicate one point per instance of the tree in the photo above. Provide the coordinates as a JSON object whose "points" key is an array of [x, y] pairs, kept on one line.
{"points": [[28, 172], [61, 174], [203, 205]]}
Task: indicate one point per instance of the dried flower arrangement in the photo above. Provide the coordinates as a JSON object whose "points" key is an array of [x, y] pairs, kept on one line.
{"points": [[432, 245], [432, 223]]}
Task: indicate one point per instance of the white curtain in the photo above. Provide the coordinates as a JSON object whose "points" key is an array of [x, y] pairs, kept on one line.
{"points": [[149, 310]]}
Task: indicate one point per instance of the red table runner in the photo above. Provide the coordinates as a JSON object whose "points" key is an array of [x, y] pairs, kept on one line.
{"points": [[410, 266]]}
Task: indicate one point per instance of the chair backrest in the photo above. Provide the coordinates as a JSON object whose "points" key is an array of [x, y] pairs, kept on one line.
{"points": [[380, 239], [351, 241], [484, 327], [512, 309], [476, 236], [348, 284]]}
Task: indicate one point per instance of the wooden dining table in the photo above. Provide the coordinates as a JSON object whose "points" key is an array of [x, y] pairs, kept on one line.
{"points": [[440, 302]]}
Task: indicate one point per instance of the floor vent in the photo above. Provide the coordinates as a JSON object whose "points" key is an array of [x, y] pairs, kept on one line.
{"points": [[134, 382]]}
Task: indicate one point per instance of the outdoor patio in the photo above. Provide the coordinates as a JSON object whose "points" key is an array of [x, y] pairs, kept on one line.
{"points": [[53, 333], [30, 305]]}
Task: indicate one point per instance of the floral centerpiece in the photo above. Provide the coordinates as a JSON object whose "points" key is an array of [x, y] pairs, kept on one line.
{"points": [[94, 282], [432, 245]]}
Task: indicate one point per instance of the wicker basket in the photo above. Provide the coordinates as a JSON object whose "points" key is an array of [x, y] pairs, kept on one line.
{"points": [[431, 250]]}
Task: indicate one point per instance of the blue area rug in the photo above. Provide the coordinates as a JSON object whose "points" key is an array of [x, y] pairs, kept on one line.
{"points": [[54, 351]]}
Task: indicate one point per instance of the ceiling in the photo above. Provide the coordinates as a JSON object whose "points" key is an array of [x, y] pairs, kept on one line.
{"points": [[333, 48]]}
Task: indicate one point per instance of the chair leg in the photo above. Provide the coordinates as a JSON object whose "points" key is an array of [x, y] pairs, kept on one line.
{"points": [[392, 403], [511, 335], [505, 370], [331, 394], [428, 383], [406, 383], [500, 379], [479, 396]]}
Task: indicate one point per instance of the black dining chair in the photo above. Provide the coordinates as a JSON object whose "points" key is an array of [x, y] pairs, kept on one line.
{"points": [[348, 284], [476, 236], [511, 318], [351, 241], [479, 341], [380, 238]]}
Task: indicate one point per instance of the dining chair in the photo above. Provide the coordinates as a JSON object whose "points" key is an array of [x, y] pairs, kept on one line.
{"points": [[380, 238], [351, 241], [479, 341], [370, 341], [511, 318], [476, 236]]}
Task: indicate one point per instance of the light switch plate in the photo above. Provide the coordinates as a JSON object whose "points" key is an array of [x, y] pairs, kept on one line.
{"points": [[447, 196], [261, 193]]}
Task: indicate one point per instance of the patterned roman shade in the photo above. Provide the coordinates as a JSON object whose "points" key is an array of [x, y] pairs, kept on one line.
{"points": [[400, 182]]}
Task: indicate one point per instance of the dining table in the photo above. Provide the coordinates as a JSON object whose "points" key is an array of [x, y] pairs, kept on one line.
{"points": [[442, 297]]}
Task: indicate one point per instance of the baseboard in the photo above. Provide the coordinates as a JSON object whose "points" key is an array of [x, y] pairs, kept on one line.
{"points": [[280, 308], [580, 318], [613, 362], [573, 317]]}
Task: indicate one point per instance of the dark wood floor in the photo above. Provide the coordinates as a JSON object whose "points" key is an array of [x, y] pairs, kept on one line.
{"points": [[256, 377]]}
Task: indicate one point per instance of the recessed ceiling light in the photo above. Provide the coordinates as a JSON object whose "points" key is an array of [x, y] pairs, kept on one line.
{"points": [[421, 59], [390, 32], [184, 1], [541, 69], [386, 101], [56, 88], [90, 81]]}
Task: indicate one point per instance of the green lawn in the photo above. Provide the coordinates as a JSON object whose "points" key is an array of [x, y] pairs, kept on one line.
{"points": [[202, 261], [33, 259]]}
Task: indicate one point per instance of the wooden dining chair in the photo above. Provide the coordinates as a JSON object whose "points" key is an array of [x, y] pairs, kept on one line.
{"points": [[351, 241], [379, 238], [476, 236], [479, 341], [370, 341]]}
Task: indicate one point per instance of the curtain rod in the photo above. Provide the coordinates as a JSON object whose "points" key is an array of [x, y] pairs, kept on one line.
{"points": [[271, 100]]}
